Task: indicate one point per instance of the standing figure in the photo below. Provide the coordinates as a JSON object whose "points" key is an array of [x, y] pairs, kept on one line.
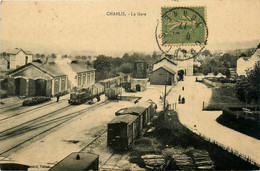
{"points": [[183, 100], [58, 97], [179, 98]]}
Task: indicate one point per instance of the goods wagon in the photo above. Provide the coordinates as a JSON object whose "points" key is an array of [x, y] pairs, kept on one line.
{"points": [[145, 111], [77, 161], [113, 92], [81, 95], [122, 131]]}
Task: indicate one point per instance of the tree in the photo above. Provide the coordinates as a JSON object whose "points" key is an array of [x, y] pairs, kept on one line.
{"points": [[206, 53], [84, 57], [248, 88], [102, 64], [205, 71], [52, 55], [215, 71], [126, 68], [227, 73], [42, 55]]}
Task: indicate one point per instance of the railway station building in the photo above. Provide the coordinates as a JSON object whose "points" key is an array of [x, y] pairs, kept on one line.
{"points": [[49, 79]]}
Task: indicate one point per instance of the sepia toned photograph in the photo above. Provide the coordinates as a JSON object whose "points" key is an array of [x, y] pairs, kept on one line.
{"points": [[129, 85]]}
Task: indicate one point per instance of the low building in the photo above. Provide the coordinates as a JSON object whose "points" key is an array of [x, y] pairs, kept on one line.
{"points": [[163, 75], [139, 84], [247, 63], [49, 79]]}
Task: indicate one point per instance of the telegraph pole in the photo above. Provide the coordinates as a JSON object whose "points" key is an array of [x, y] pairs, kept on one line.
{"points": [[165, 94]]}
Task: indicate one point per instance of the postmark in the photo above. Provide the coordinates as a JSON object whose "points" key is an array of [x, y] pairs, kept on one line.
{"points": [[183, 26], [182, 32]]}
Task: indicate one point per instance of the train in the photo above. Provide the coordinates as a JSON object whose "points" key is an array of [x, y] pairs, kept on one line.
{"points": [[128, 124], [110, 87]]}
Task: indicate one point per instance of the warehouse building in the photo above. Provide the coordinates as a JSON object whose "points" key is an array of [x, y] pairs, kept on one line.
{"points": [[49, 79], [163, 75]]}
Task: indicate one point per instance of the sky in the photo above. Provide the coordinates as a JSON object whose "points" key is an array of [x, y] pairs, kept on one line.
{"points": [[84, 26]]}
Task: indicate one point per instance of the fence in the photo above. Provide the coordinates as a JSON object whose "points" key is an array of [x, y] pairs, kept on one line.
{"points": [[225, 147]]}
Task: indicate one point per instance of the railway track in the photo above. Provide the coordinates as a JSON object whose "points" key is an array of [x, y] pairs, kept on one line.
{"points": [[59, 121], [30, 110], [4, 107], [106, 166]]}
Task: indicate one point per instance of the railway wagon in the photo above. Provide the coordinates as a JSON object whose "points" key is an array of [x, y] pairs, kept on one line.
{"points": [[113, 92], [81, 95], [122, 131], [78, 161], [145, 111]]}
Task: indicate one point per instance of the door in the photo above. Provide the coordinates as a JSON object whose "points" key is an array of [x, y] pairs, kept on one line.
{"points": [[138, 87], [40, 86]]}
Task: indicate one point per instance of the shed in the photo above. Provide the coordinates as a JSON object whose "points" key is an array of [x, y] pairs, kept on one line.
{"points": [[77, 161]]}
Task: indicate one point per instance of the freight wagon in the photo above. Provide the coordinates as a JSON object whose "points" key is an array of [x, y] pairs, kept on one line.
{"points": [[78, 161], [115, 81], [124, 129], [113, 92]]}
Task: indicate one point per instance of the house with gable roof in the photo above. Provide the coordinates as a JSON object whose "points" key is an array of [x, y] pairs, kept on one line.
{"points": [[247, 63]]}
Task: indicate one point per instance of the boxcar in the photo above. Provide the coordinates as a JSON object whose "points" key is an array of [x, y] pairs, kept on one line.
{"points": [[78, 161], [145, 111], [113, 92], [122, 131]]}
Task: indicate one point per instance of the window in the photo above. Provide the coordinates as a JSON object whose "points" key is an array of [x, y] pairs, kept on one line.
{"points": [[79, 81], [84, 79], [89, 82], [26, 60], [56, 86], [63, 84]]}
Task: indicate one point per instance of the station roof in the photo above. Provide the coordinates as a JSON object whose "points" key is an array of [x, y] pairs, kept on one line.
{"points": [[71, 163], [165, 58], [53, 69], [124, 119], [167, 69], [17, 50]]}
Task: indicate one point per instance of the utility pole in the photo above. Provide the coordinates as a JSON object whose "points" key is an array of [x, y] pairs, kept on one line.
{"points": [[165, 94]]}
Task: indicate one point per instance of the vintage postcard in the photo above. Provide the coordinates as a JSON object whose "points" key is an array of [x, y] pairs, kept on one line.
{"points": [[130, 85]]}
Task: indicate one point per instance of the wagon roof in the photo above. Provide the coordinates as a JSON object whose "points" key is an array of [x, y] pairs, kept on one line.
{"points": [[124, 119], [70, 162], [132, 110]]}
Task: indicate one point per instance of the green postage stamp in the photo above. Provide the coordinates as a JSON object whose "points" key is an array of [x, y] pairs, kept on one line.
{"points": [[183, 26]]}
